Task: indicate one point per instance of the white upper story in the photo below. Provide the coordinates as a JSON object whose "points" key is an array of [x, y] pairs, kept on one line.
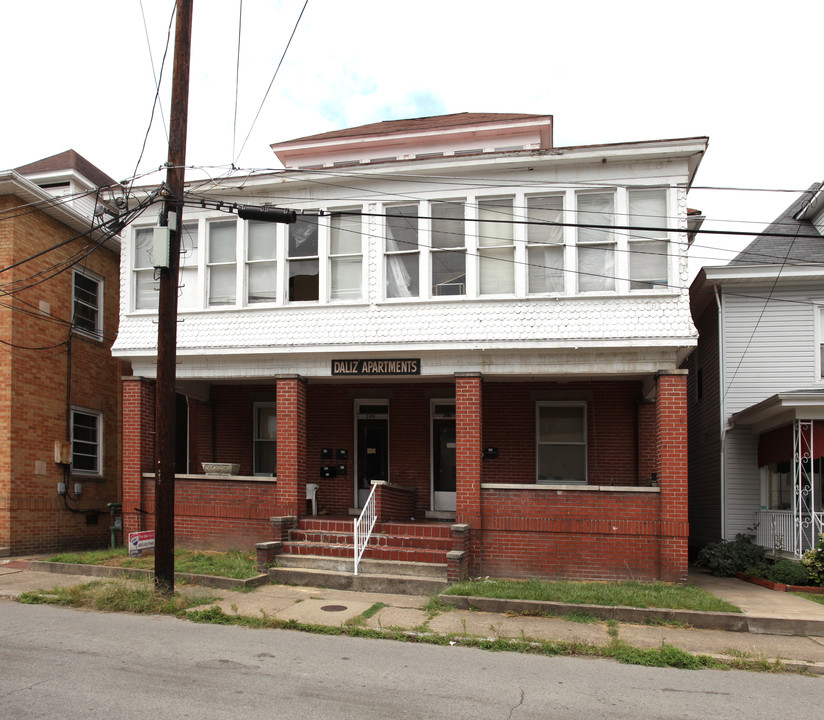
{"points": [[498, 243]]}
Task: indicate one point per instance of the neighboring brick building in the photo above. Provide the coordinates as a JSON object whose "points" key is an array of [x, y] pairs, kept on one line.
{"points": [[58, 380], [460, 312]]}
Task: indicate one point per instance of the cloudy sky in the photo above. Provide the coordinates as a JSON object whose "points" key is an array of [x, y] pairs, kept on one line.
{"points": [[747, 74]]}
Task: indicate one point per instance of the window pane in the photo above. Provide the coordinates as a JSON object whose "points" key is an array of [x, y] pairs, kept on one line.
{"points": [[447, 224], [648, 264], [546, 269], [545, 210], [402, 275], [596, 267], [261, 240], [346, 278], [303, 237], [497, 271], [648, 208], [222, 242], [562, 423], [265, 457], [188, 246], [303, 280], [86, 300], [147, 289], [402, 228], [491, 233], [222, 285], [266, 424], [262, 282], [143, 241], [595, 209], [346, 236], [448, 273], [562, 463], [187, 297], [85, 442]]}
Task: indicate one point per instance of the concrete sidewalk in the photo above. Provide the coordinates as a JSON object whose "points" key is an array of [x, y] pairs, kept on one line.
{"points": [[785, 627]]}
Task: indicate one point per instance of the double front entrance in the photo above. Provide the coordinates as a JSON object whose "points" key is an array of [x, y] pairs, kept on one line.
{"points": [[372, 445]]}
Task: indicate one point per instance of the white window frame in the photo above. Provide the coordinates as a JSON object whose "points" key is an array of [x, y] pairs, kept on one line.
{"points": [[98, 441], [145, 270], [495, 251], [259, 262], [636, 239], [256, 408], [456, 249], [610, 276], [97, 331], [535, 244], [189, 275], [401, 254], [210, 264], [582, 404], [322, 231], [818, 336], [337, 224]]}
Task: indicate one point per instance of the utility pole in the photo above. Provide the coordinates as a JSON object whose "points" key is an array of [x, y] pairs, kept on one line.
{"points": [[167, 309]]}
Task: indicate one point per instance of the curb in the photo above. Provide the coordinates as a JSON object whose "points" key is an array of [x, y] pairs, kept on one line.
{"points": [[102, 571], [700, 619]]}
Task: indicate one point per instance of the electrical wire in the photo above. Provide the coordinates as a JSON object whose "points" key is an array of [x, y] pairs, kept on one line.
{"points": [[154, 73], [271, 82], [237, 75]]}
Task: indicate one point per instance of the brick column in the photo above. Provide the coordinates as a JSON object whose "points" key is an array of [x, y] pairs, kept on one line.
{"points": [[469, 441], [138, 450], [291, 446], [671, 461]]}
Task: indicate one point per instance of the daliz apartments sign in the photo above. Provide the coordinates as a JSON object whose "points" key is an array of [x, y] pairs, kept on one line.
{"points": [[408, 366]]}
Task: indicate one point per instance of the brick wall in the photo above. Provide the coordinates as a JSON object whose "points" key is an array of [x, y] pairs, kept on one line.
{"points": [[36, 396]]}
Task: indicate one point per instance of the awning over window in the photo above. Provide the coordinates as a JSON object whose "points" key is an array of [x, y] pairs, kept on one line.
{"points": [[777, 445]]}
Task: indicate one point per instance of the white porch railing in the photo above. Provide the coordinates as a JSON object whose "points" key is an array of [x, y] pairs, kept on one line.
{"points": [[363, 527], [777, 529]]}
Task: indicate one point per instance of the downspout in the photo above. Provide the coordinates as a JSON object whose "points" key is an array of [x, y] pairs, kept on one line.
{"points": [[722, 408]]}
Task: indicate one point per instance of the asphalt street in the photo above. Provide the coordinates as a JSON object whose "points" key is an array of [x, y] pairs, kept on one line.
{"points": [[62, 663]]}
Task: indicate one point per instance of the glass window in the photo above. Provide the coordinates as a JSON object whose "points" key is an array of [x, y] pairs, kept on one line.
{"points": [[88, 299], [496, 247], [86, 444], [821, 342], [261, 265], [265, 439], [562, 443], [448, 249], [401, 252], [648, 248], [596, 246], [188, 298], [146, 286], [222, 262], [345, 257], [545, 251], [781, 486], [303, 259]]}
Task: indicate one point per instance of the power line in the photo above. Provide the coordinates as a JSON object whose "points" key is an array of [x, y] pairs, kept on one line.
{"points": [[271, 82]]}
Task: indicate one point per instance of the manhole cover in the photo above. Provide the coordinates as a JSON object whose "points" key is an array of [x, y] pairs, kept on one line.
{"points": [[334, 608]]}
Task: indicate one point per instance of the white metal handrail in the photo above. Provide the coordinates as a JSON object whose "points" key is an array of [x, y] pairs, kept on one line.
{"points": [[363, 527]]}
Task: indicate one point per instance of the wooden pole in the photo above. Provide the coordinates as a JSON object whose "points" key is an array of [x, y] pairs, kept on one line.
{"points": [[167, 310]]}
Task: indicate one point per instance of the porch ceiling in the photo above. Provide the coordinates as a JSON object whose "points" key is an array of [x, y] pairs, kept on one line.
{"points": [[781, 409]]}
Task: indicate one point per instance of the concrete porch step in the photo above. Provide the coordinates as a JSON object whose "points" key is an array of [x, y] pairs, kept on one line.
{"points": [[376, 539], [375, 552], [423, 529], [365, 567], [372, 582]]}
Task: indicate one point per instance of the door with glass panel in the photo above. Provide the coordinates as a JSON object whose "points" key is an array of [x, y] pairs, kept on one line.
{"points": [[372, 446], [444, 459]]}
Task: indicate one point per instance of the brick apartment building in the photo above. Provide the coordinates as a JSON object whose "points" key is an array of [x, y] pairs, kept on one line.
{"points": [[460, 318], [59, 385]]}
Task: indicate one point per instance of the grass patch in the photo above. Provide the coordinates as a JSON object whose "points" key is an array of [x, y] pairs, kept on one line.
{"points": [[360, 620], [817, 598], [120, 595], [630, 593], [233, 564], [665, 656]]}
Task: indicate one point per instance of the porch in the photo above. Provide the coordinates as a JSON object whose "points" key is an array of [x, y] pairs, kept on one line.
{"points": [[575, 479]]}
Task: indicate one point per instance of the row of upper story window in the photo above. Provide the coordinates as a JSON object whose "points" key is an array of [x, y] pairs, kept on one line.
{"points": [[428, 250]]}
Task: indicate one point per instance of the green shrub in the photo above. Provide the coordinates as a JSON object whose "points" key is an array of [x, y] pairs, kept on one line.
{"points": [[788, 572], [728, 557], [813, 560]]}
